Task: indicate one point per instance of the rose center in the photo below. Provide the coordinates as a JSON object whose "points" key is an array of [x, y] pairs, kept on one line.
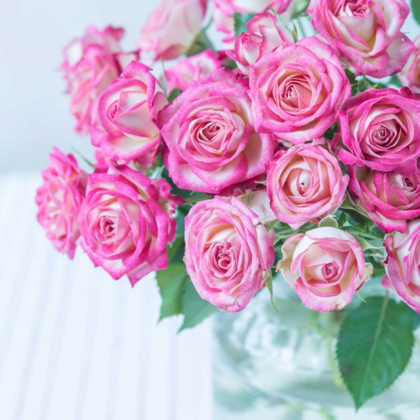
{"points": [[107, 226], [329, 271], [303, 182], [383, 136], [113, 110]]}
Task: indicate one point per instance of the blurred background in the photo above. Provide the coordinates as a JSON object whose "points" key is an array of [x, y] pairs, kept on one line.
{"points": [[73, 343]]}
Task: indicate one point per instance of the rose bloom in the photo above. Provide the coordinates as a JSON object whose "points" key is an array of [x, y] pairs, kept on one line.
{"points": [[381, 129], [190, 69], [211, 142], [325, 267], [224, 10], [403, 265], [366, 33], [59, 201], [390, 199], [127, 221], [298, 90], [228, 252], [265, 34], [91, 63], [410, 75], [305, 183], [125, 115], [173, 27]]}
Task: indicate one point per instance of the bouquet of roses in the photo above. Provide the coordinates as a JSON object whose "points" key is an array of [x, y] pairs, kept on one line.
{"points": [[281, 152]]}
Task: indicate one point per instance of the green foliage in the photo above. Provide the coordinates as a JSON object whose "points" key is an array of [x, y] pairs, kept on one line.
{"points": [[240, 20], [201, 43], [174, 94], [359, 85], [163, 80], [394, 80], [269, 284], [415, 8], [374, 346], [194, 308], [171, 284], [328, 221]]}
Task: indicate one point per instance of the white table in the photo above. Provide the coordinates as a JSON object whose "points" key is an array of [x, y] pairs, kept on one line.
{"points": [[77, 345]]}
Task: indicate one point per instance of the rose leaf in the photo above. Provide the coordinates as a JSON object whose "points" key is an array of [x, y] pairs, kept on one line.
{"points": [[241, 19], [415, 7], [171, 284], [374, 346], [194, 308]]}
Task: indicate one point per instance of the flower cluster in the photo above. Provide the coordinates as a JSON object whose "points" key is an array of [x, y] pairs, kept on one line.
{"points": [[278, 144]]}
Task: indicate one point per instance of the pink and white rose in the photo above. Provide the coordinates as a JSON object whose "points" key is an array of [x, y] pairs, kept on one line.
{"points": [[325, 267], [59, 200], [265, 34], [380, 129], [228, 252], [410, 74], [191, 69], [127, 221], [224, 10], [403, 265], [125, 116], [211, 142], [172, 28], [91, 63], [365, 33], [305, 183], [298, 90], [390, 199]]}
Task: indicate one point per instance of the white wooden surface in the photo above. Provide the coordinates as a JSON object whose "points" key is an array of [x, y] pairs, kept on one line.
{"points": [[77, 345]]}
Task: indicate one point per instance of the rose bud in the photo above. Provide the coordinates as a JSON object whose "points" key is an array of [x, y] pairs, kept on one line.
{"points": [[403, 265], [59, 201], [91, 63], [325, 267], [297, 91], [305, 183], [265, 34], [365, 33], [172, 28], [381, 130], [125, 116], [127, 221], [224, 10], [228, 252]]}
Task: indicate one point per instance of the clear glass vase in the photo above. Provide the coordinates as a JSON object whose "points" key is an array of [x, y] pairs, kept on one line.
{"points": [[281, 366]]}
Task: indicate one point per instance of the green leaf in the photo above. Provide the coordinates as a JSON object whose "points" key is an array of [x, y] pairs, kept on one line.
{"points": [[394, 80], [416, 320], [415, 8], [269, 284], [174, 94], [366, 244], [374, 346], [176, 250], [194, 308], [351, 76], [201, 43], [241, 19], [171, 284], [328, 221]]}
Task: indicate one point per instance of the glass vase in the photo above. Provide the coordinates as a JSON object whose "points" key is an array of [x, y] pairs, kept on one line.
{"points": [[281, 365]]}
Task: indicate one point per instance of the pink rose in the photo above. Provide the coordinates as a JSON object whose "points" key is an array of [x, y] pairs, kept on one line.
{"points": [[381, 130], [125, 115], [126, 222], [59, 201], [224, 10], [90, 65], [403, 265], [390, 199], [265, 34], [325, 267], [228, 252], [410, 75], [298, 90], [211, 141], [305, 183], [365, 33], [191, 69], [173, 27]]}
